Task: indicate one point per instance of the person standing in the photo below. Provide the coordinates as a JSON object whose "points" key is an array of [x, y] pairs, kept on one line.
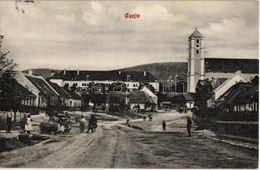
{"points": [[9, 122], [82, 123], [164, 125], [189, 122], [28, 124]]}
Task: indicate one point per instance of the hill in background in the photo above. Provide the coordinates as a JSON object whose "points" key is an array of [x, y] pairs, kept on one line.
{"points": [[162, 71]]}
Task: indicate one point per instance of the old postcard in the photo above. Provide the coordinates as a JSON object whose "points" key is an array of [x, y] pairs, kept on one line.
{"points": [[129, 84]]}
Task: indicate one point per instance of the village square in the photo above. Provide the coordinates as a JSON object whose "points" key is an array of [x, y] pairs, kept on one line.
{"points": [[201, 112]]}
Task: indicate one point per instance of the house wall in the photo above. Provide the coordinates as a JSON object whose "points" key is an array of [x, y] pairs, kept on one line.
{"points": [[75, 103], [132, 106], [246, 107], [130, 84], [28, 102], [190, 104]]}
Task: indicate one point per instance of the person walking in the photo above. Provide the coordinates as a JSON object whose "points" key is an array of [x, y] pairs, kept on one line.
{"points": [[82, 123], [28, 124], [9, 122], [189, 122], [164, 125], [92, 124]]}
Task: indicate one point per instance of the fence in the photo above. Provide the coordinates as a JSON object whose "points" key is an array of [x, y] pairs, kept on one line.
{"points": [[243, 124], [16, 120]]}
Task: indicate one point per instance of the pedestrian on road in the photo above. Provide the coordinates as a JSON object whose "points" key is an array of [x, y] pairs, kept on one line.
{"points": [[9, 122], [164, 125], [92, 123], [82, 123], [189, 122], [28, 124], [127, 122]]}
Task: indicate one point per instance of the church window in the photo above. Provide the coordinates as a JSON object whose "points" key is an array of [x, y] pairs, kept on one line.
{"points": [[198, 41], [197, 45], [197, 51]]}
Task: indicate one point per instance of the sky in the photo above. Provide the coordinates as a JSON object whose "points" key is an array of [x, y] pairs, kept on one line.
{"points": [[96, 35]]}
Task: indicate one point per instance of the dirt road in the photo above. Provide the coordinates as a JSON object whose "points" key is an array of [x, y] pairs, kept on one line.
{"points": [[115, 145]]}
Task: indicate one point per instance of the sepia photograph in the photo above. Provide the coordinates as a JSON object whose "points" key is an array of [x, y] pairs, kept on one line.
{"points": [[129, 84]]}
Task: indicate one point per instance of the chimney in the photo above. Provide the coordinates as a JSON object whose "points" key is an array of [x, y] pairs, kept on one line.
{"points": [[64, 71], [238, 72], [30, 72], [119, 72], [78, 72], [144, 73], [87, 76]]}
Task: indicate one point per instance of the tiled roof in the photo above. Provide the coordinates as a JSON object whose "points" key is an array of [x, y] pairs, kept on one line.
{"points": [[140, 97], [17, 89], [41, 85], [240, 93], [104, 75], [73, 94], [62, 93], [196, 34], [231, 65]]}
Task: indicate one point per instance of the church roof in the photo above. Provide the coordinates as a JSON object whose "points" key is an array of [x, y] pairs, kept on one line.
{"points": [[196, 34], [228, 65]]}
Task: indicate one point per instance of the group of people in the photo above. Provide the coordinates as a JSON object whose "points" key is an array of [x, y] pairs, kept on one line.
{"points": [[92, 124], [64, 124], [26, 123], [149, 117], [189, 123]]}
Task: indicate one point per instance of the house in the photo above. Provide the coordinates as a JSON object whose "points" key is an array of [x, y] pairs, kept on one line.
{"points": [[64, 97], [81, 79], [142, 100], [180, 99], [75, 100], [243, 96], [21, 98], [45, 94], [150, 94], [224, 86]]}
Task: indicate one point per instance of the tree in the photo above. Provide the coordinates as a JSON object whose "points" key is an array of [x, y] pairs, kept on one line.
{"points": [[7, 66], [7, 72], [204, 91]]}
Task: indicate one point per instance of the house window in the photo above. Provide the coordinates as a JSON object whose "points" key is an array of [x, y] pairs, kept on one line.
{"points": [[84, 84], [66, 84], [75, 84]]}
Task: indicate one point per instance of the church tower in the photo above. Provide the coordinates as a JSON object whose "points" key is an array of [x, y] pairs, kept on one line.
{"points": [[196, 63]]}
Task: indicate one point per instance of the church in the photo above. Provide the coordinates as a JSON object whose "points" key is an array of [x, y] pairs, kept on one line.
{"points": [[218, 70]]}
